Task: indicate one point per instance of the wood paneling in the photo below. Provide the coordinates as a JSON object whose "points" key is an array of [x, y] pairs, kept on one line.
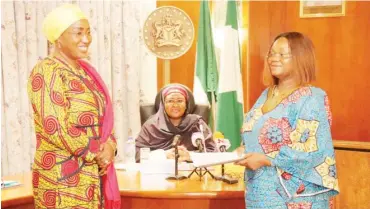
{"points": [[340, 48], [182, 68], [352, 145], [342, 53], [244, 52], [353, 169]]}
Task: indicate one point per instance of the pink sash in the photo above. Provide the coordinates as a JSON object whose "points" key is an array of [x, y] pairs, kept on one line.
{"points": [[111, 192]]}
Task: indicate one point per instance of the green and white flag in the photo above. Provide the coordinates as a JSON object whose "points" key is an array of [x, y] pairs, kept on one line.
{"points": [[206, 74], [229, 116]]}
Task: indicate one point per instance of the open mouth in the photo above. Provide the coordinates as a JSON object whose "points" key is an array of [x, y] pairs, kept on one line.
{"points": [[83, 48]]}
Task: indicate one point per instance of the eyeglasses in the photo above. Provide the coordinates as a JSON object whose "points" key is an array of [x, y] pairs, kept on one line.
{"points": [[173, 102], [281, 56]]}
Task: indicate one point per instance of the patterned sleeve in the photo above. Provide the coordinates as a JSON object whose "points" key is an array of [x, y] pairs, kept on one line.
{"points": [[310, 155], [54, 119]]}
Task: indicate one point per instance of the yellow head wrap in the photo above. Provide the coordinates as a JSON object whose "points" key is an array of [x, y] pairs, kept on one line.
{"points": [[58, 20]]}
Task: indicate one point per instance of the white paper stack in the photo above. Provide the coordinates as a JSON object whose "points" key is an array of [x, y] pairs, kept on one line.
{"points": [[214, 158]]}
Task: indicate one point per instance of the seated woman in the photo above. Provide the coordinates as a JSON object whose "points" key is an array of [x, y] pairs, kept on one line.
{"points": [[173, 117]]}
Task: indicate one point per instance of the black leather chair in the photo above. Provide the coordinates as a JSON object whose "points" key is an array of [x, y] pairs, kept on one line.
{"points": [[149, 109]]}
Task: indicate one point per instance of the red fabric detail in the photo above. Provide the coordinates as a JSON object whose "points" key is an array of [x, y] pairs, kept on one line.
{"points": [[301, 189], [69, 167], [286, 176], [110, 184]]}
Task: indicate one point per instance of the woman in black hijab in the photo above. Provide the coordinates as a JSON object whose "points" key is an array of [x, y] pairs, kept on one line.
{"points": [[174, 118]]}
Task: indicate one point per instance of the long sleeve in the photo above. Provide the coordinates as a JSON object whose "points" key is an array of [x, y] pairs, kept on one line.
{"points": [[310, 155], [58, 119]]}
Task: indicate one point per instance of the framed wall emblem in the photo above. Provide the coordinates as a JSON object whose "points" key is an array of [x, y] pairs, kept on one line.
{"points": [[317, 8]]}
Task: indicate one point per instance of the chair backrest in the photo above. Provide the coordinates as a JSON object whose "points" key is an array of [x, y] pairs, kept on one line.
{"points": [[149, 109]]}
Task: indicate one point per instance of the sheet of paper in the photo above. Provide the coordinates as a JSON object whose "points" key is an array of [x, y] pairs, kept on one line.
{"points": [[155, 166], [214, 158]]}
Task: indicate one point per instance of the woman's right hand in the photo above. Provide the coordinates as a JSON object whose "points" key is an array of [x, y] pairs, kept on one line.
{"points": [[254, 161], [183, 153]]}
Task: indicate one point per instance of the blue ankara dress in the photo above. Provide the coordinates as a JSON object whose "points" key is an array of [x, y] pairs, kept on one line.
{"points": [[296, 137]]}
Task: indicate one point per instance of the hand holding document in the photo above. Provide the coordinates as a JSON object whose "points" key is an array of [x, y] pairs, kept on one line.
{"points": [[214, 158]]}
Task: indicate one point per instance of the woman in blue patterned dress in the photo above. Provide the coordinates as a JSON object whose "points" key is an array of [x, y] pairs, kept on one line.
{"points": [[289, 159]]}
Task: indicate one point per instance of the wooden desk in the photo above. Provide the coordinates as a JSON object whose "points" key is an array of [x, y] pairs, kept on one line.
{"points": [[151, 191], [20, 196]]}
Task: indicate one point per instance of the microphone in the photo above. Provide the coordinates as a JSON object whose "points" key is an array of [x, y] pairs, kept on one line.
{"points": [[175, 143], [222, 144], [197, 140], [176, 140]]}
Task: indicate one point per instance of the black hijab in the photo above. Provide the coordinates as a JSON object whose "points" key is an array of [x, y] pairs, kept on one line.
{"points": [[158, 131]]}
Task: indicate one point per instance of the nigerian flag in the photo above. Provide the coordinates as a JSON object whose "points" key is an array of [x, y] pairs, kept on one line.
{"points": [[229, 115], [206, 75]]}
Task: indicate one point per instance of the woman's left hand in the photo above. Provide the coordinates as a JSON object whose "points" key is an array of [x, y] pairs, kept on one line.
{"points": [[254, 161], [106, 155]]}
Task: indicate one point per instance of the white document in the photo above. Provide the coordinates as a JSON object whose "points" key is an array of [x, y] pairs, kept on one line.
{"points": [[157, 163], [214, 158], [163, 167], [155, 166]]}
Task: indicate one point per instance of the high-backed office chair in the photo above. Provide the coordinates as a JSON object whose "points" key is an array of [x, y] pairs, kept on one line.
{"points": [[149, 109]]}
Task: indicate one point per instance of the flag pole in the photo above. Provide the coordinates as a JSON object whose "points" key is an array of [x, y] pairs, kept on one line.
{"points": [[213, 111]]}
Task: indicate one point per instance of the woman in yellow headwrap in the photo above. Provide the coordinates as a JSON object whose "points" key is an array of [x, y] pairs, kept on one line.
{"points": [[73, 121]]}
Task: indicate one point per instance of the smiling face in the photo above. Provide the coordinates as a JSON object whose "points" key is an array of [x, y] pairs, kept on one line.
{"points": [[291, 56], [280, 59], [175, 105], [75, 41]]}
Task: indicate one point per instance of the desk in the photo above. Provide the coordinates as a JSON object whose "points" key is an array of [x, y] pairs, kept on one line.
{"points": [[151, 191]]}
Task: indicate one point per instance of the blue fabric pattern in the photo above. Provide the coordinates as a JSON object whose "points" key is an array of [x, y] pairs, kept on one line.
{"points": [[296, 136]]}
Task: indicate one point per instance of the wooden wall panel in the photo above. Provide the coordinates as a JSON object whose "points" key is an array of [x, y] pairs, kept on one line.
{"points": [[353, 169], [182, 68], [340, 47], [342, 54], [244, 51]]}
